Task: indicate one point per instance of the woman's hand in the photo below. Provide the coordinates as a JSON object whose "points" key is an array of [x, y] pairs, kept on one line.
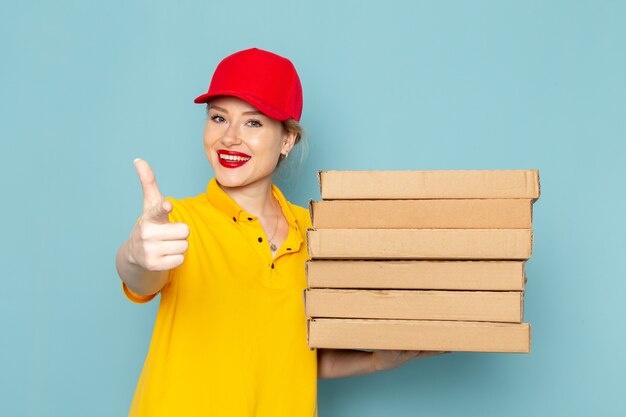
{"points": [[384, 360], [341, 363], [155, 244]]}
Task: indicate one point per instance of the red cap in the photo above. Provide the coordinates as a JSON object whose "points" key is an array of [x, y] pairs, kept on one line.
{"points": [[267, 81]]}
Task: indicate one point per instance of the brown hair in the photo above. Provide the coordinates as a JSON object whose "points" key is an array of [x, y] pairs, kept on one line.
{"points": [[291, 126]]}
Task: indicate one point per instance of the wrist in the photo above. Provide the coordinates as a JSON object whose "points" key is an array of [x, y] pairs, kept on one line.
{"points": [[128, 255]]}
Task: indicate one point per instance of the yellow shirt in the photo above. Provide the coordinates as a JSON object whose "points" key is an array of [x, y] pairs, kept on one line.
{"points": [[230, 333]]}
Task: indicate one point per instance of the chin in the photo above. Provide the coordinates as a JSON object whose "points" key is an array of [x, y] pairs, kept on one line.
{"points": [[239, 180], [229, 179], [229, 182]]}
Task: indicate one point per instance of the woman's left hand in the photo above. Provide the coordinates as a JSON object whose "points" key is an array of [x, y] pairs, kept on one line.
{"points": [[385, 360]]}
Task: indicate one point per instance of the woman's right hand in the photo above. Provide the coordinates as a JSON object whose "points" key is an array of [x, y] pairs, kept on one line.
{"points": [[155, 244]]}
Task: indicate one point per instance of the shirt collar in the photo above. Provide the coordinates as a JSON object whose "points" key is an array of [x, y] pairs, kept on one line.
{"points": [[222, 201]]}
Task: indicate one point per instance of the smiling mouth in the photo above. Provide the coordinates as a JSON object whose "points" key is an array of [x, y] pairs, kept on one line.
{"points": [[232, 159]]}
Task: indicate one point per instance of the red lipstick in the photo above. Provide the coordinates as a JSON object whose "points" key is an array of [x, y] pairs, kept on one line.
{"points": [[232, 159]]}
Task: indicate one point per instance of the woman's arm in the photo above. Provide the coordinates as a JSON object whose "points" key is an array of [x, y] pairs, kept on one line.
{"points": [[340, 363]]}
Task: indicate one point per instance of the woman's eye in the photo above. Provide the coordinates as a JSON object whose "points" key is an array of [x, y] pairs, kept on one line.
{"points": [[254, 123], [217, 119]]}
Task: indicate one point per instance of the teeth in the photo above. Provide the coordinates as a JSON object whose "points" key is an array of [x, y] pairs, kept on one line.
{"points": [[233, 157]]}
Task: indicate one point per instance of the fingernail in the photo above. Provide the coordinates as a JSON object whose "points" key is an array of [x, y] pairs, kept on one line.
{"points": [[136, 159]]}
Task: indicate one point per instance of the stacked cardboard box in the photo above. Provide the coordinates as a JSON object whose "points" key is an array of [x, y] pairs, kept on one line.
{"points": [[420, 260]]}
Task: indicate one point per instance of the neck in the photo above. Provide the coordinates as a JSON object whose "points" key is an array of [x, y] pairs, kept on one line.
{"points": [[257, 199]]}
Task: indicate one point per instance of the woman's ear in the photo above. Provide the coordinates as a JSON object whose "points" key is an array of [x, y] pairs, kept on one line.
{"points": [[289, 140]]}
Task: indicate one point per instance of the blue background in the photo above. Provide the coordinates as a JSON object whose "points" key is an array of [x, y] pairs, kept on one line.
{"points": [[88, 86]]}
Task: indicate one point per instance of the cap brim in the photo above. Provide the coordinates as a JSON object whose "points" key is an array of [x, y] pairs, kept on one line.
{"points": [[262, 107]]}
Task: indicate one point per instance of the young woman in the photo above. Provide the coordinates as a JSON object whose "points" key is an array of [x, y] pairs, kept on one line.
{"points": [[230, 333]]}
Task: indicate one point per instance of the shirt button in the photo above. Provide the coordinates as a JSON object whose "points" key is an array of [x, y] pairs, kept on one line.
{"points": [[288, 248], [272, 265], [260, 239], [250, 218], [234, 219]]}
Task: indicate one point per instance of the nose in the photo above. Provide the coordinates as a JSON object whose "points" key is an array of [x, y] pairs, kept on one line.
{"points": [[231, 135]]}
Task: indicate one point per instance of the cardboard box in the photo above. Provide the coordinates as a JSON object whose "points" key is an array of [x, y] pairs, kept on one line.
{"points": [[355, 185], [427, 275], [419, 335], [470, 244], [493, 306], [422, 214]]}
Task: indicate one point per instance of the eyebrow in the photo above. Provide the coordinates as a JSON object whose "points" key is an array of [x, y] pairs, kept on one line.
{"points": [[223, 110]]}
